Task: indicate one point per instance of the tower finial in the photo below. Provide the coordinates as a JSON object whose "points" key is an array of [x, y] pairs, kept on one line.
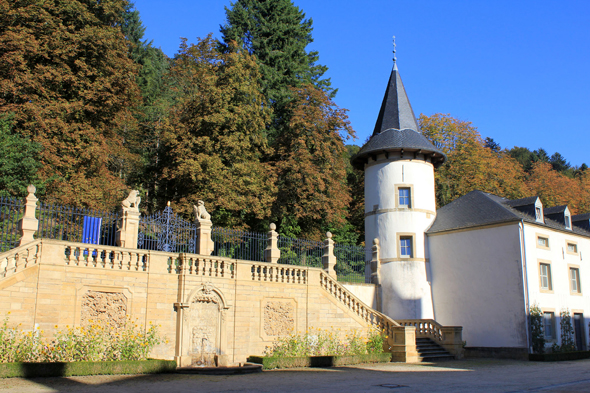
{"points": [[394, 58]]}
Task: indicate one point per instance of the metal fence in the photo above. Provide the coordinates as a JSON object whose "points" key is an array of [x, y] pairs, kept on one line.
{"points": [[238, 244], [76, 224], [11, 211], [300, 252], [166, 231], [351, 263]]}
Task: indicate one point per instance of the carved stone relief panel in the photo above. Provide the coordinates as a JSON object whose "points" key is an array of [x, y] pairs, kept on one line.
{"points": [[107, 308], [278, 317]]}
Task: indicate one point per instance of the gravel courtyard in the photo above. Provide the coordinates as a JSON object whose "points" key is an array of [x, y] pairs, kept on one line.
{"points": [[484, 375]]}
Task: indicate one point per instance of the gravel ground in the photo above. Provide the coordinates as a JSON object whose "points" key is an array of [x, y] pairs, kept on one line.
{"points": [[486, 375]]}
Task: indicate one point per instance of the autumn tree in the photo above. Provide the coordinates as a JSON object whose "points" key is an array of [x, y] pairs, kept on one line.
{"points": [[66, 74], [310, 163], [470, 164], [215, 137]]}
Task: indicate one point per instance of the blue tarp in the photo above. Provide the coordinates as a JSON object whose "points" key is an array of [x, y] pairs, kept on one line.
{"points": [[91, 230]]}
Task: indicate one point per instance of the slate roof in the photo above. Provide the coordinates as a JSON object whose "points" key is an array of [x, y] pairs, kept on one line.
{"points": [[396, 127], [478, 208], [554, 209], [522, 202]]}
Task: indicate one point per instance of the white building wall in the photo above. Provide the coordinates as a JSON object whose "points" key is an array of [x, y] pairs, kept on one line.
{"points": [[405, 289], [556, 255], [477, 283]]}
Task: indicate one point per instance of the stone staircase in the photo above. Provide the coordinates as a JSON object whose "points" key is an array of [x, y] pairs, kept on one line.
{"points": [[429, 351]]}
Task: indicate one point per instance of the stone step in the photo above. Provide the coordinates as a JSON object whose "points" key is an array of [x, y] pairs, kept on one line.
{"points": [[429, 351]]}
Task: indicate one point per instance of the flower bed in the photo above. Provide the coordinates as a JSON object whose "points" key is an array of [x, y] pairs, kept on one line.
{"points": [[62, 369], [270, 362]]}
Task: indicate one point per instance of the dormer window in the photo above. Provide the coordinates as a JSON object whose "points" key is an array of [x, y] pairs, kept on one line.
{"points": [[568, 222], [538, 214]]}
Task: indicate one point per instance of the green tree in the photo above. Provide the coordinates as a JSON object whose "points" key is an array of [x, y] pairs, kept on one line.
{"points": [[214, 139], [277, 33], [537, 333], [18, 160], [145, 139], [66, 74], [311, 164]]}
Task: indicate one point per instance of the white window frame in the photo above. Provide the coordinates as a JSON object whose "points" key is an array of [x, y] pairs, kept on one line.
{"points": [[545, 276], [409, 247], [574, 276]]}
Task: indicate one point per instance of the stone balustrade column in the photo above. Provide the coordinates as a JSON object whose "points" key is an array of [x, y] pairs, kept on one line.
{"points": [[129, 229], [28, 225], [205, 245], [375, 273], [328, 259], [272, 252]]}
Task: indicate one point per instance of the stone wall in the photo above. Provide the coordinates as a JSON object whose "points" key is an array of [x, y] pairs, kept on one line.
{"points": [[247, 305]]}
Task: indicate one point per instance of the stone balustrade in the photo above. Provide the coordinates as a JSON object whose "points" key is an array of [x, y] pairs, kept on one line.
{"points": [[20, 258], [448, 337]]}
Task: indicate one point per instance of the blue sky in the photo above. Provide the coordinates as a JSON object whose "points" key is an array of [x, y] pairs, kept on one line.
{"points": [[518, 70]]}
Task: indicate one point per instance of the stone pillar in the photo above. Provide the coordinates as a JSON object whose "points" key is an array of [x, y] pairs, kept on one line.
{"points": [[28, 225], [453, 340], [272, 252], [375, 276], [402, 344], [128, 230], [328, 259], [205, 245]]}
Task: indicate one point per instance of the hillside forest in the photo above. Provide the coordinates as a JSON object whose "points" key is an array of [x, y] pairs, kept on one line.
{"points": [[90, 109]]}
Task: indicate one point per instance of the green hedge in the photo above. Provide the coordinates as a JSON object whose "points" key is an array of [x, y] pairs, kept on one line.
{"points": [[59, 369], [559, 356], [318, 361]]}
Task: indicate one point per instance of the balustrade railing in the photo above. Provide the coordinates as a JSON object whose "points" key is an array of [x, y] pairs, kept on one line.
{"points": [[106, 258], [18, 259], [282, 274], [425, 328], [366, 313], [209, 267]]}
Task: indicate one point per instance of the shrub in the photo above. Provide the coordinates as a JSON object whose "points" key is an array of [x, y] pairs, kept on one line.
{"points": [[318, 342], [537, 333], [93, 342], [567, 331]]}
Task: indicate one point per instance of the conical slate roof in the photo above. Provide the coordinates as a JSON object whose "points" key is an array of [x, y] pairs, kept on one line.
{"points": [[396, 127]]}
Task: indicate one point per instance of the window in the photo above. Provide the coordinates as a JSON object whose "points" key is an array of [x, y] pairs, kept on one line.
{"points": [[405, 246], [568, 224], [572, 248], [549, 325], [404, 197], [542, 242], [538, 215], [575, 280], [545, 271]]}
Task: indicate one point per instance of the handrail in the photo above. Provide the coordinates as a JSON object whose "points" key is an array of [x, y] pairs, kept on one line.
{"points": [[19, 258], [366, 313]]}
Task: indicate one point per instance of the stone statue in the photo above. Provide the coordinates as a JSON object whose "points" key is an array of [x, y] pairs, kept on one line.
{"points": [[201, 212], [131, 203]]}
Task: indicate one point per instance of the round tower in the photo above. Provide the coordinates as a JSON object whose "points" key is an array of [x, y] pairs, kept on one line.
{"points": [[400, 203]]}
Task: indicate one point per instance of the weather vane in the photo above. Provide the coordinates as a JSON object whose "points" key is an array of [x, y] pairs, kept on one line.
{"points": [[394, 58]]}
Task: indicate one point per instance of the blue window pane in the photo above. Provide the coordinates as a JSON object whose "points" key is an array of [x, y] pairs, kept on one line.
{"points": [[404, 197], [406, 247]]}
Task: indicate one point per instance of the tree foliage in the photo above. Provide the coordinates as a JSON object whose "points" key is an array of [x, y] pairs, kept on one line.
{"points": [[66, 75], [214, 139], [18, 160], [310, 162], [470, 164], [277, 33]]}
